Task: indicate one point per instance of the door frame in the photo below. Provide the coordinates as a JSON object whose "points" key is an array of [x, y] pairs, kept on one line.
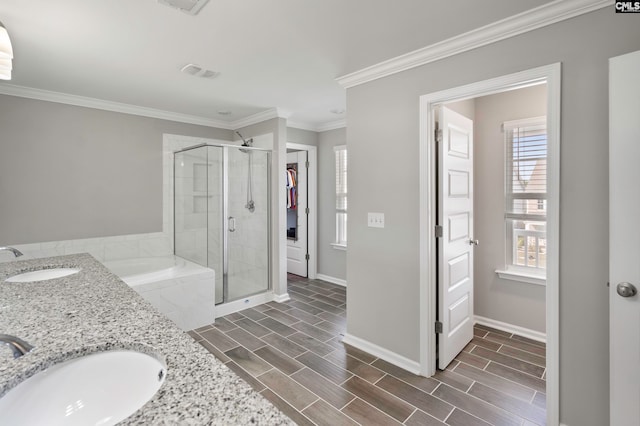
{"points": [[428, 193], [312, 197]]}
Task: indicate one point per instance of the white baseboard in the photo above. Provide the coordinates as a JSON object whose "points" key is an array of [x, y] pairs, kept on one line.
{"points": [[509, 328], [281, 298], [332, 280], [382, 353]]}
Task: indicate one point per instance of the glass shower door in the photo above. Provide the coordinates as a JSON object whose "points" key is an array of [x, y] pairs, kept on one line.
{"points": [[247, 214]]}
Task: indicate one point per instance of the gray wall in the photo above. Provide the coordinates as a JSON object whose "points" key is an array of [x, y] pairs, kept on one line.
{"points": [[383, 137], [69, 172], [304, 137], [331, 262], [513, 302]]}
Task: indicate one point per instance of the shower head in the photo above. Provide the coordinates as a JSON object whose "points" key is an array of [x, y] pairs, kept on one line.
{"points": [[245, 142]]}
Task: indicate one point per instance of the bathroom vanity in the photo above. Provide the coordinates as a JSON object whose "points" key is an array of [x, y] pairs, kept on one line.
{"points": [[93, 311]]}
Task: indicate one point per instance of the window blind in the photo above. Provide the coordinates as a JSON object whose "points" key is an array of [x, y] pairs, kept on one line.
{"points": [[341, 194]]}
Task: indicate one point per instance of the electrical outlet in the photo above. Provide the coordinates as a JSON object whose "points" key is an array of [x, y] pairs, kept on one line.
{"points": [[375, 220]]}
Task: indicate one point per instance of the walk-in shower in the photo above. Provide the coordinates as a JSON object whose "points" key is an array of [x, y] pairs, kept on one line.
{"points": [[221, 215]]}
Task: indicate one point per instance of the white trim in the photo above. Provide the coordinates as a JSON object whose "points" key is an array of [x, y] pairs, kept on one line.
{"points": [[552, 75], [281, 298], [302, 125], [332, 280], [382, 353], [337, 246], [259, 118], [244, 303], [510, 328], [83, 101], [332, 125], [525, 122], [539, 17], [312, 204], [323, 127], [86, 102], [523, 277]]}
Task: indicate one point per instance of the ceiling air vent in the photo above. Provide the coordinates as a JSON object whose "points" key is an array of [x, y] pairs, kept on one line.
{"points": [[198, 71], [192, 7]]}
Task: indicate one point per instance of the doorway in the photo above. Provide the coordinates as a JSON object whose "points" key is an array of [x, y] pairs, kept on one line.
{"points": [[430, 206], [301, 226]]}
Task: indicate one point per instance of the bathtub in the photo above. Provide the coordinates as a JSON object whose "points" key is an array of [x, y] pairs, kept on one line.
{"points": [[180, 289]]}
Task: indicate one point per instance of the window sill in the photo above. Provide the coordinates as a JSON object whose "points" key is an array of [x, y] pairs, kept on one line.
{"points": [[523, 277], [339, 246]]}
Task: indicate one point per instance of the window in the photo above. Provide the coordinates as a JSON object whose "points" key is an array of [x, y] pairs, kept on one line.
{"points": [[526, 195], [341, 196]]}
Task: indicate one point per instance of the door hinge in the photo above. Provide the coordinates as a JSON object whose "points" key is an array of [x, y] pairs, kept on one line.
{"points": [[439, 231], [306, 211], [306, 164], [438, 135], [307, 257], [438, 327]]}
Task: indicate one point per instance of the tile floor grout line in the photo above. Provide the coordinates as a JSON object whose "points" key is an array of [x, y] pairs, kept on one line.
{"points": [[508, 380], [317, 399], [412, 413], [453, 408], [516, 369]]}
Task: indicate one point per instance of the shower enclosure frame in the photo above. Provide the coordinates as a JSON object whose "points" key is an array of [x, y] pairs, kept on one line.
{"points": [[225, 212]]}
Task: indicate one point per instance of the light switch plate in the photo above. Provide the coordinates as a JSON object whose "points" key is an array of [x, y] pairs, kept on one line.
{"points": [[375, 220]]}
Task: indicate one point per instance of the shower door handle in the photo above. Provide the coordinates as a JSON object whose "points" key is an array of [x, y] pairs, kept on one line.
{"points": [[232, 224]]}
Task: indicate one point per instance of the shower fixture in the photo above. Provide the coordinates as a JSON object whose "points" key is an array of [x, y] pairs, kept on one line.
{"points": [[251, 205]]}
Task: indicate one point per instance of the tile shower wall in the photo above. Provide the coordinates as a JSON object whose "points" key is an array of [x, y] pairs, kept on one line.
{"points": [[191, 205]]}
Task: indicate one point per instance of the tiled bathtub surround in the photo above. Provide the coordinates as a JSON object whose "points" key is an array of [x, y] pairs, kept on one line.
{"points": [[182, 290], [93, 310], [104, 249]]}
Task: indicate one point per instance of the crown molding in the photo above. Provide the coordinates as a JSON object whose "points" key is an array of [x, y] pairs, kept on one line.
{"points": [[259, 118], [329, 125], [332, 125], [547, 14], [82, 101], [302, 125]]}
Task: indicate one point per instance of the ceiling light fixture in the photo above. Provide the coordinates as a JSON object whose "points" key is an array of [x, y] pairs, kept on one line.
{"points": [[191, 7], [6, 54]]}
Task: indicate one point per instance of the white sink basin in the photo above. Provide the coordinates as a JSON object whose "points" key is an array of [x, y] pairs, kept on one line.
{"points": [[42, 275], [103, 388]]}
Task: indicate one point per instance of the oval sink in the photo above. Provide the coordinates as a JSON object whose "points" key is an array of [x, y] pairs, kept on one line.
{"points": [[42, 275], [103, 388]]}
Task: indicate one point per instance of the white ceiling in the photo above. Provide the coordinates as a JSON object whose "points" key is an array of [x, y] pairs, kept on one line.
{"points": [[270, 53]]}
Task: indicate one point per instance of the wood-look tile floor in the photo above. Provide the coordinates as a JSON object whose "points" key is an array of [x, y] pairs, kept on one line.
{"points": [[293, 355]]}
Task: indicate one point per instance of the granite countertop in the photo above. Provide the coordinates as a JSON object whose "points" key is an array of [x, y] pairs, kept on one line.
{"points": [[94, 310]]}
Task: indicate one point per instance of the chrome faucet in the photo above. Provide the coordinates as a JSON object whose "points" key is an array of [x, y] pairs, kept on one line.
{"points": [[16, 252], [18, 346]]}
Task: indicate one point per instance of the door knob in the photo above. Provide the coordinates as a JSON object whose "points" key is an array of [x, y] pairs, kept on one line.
{"points": [[626, 290], [474, 242]]}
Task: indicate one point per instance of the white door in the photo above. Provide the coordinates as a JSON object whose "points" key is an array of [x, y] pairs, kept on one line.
{"points": [[624, 239], [297, 217], [455, 246]]}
